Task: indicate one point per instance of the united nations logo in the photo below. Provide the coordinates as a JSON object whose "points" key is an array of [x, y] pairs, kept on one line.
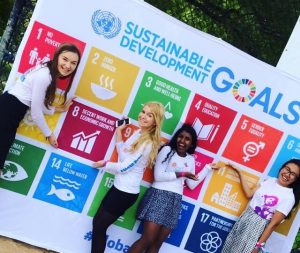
{"points": [[106, 24]]}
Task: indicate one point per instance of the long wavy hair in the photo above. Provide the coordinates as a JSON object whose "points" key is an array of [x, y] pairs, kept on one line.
{"points": [[153, 134], [53, 68], [295, 185], [173, 142]]}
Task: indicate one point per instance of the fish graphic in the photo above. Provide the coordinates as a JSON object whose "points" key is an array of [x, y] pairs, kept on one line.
{"points": [[63, 194]]}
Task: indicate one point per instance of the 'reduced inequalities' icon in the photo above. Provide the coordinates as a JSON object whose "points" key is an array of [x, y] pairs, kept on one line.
{"points": [[106, 24]]}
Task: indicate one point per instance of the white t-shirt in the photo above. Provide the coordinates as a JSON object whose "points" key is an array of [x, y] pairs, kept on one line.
{"points": [[271, 197], [130, 166], [164, 172], [30, 89]]}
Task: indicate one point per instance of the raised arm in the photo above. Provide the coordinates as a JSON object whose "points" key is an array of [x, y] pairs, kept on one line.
{"points": [[119, 133], [192, 184], [120, 144], [248, 191]]}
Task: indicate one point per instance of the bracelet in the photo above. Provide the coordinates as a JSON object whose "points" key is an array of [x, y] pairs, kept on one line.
{"points": [[182, 174], [259, 245]]}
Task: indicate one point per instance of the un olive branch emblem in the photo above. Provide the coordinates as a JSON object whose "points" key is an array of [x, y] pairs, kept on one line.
{"points": [[106, 24]]}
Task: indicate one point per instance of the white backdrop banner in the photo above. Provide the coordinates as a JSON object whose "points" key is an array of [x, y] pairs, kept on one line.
{"points": [[243, 110], [291, 55]]}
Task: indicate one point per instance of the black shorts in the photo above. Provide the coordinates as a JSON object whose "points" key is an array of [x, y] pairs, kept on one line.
{"points": [[117, 202]]}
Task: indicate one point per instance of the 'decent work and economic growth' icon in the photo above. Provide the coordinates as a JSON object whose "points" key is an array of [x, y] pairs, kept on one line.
{"points": [[84, 142], [104, 90], [205, 132]]}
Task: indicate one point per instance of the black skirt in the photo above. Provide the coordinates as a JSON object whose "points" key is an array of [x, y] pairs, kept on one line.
{"points": [[12, 111]]}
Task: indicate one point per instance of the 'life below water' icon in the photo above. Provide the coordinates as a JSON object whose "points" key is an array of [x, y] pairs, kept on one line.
{"points": [[63, 194]]}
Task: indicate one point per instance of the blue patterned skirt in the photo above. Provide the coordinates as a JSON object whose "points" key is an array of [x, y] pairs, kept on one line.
{"points": [[161, 207], [245, 233]]}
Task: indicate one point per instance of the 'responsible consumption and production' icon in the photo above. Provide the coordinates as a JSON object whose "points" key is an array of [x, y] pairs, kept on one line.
{"points": [[106, 24]]}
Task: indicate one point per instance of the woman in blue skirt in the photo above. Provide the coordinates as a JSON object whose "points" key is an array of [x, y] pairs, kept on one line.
{"points": [[160, 207]]}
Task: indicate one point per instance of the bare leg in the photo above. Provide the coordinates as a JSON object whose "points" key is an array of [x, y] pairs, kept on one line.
{"points": [[148, 237], [162, 235]]}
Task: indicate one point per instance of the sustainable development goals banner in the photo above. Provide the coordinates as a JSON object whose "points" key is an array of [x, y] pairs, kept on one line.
{"points": [[244, 111]]}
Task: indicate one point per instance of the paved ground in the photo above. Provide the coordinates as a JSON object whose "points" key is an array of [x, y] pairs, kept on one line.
{"points": [[12, 246]]}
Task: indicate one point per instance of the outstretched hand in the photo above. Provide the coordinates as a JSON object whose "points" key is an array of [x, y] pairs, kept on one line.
{"points": [[65, 107], [99, 164], [215, 166], [123, 126], [120, 128], [219, 165], [52, 140], [231, 166], [190, 175]]}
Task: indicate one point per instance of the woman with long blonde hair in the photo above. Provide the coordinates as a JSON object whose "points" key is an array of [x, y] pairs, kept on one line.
{"points": [[134, 155], [160, 207]]}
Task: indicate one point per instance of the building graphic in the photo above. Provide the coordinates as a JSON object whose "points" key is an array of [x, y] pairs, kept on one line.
{"points": [[226, 199]]}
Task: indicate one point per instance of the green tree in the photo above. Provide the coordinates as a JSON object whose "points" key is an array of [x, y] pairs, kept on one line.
{"points": [[11, 36], [6, 6], [259, 27]]}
